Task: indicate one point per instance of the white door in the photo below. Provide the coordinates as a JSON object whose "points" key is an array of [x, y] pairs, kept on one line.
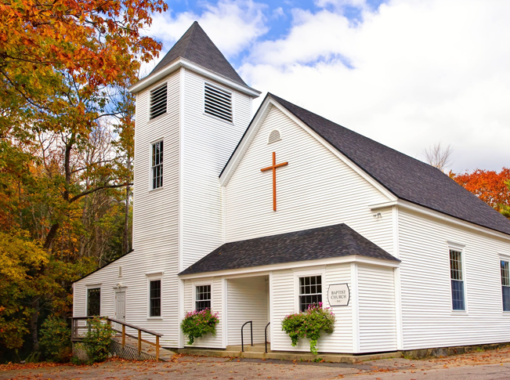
{"points": [[120, 306]]}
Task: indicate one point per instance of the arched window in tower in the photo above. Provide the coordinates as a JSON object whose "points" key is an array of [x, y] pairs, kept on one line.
{"points": [[274, 136]]}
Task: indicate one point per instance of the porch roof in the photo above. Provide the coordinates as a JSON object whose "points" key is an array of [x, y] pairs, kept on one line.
{"points": [[313, 244]]}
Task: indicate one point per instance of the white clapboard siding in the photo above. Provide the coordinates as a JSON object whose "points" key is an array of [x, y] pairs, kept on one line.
{"points": [[377, 318], [155, 226], [210, 340], [284, 302], [208, 142], [316, 189], [247, 301], [427, 316]]}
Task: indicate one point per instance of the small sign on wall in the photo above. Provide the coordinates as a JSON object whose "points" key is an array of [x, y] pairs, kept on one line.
{"points": [[339, 295]]}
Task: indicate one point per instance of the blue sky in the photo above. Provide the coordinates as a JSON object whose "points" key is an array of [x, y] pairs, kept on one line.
{"points": [[407, 73]]}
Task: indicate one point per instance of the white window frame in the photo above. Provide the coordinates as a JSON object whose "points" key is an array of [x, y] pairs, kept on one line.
{"points": [[90, 287], [308, 273], [158, 276], [194, 295], [502, 257], [458, 247], [151, 175], [205, 82]]}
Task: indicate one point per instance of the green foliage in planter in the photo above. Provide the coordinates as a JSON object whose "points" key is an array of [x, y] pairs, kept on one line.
{"points": [[199, 323], [97, 340], [55, 339], [309, 324]]}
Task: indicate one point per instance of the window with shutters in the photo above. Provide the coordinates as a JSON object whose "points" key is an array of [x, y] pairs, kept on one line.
{"points": [[158, 101], [218, 102], [157, 165]]}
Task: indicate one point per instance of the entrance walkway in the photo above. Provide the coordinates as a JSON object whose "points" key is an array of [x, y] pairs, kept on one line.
{"points": [[257, 351]]}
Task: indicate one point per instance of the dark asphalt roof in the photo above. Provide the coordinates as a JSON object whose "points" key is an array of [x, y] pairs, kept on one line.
{"points": [[313, 244], [406, 177], [197, 47]]}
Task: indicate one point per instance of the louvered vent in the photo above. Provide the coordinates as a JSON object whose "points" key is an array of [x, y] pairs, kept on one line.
{"points": [[218, 102], [158, 101], [274, 136]]}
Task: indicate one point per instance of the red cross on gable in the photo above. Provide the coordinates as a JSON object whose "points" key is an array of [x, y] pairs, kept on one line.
{"points": [[273, 168]]}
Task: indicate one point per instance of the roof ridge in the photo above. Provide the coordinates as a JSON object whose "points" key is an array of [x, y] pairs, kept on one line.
{"points": [[193, 28]]}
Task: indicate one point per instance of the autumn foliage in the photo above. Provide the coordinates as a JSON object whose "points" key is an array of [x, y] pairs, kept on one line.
{"points": [[66, 150], [491, 187]]}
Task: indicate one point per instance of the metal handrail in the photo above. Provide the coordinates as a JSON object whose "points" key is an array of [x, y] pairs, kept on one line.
{"points": [[265, 335], [251, 330]]}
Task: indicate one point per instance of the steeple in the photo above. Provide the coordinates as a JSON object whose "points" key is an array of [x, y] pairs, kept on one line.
{"points": [[196, 46]]}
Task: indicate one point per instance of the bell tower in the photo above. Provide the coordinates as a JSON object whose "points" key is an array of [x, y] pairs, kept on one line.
{"points": [[191, 111]]}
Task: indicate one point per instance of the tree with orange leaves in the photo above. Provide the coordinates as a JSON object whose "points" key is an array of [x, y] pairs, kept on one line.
{"points": [[64, 67], [491, 187]]}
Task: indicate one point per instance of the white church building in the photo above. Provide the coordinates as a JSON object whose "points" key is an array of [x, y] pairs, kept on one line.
{"points": [[258, 217]]}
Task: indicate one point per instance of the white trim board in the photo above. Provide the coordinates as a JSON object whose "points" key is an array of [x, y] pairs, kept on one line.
{"points": [[182, 62], [409, 206], [293, 265]]}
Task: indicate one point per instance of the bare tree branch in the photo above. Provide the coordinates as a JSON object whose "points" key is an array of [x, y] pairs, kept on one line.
{"points": [[438, 156]]}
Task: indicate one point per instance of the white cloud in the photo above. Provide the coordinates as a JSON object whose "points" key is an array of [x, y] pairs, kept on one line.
{"points": [[231, 24], [423, 72]]}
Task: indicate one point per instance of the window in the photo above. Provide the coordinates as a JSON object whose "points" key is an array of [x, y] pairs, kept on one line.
{"points": [[218, 102], [203, 297], [310, 291], [457, 280], [93, 302], [505, 284], [274, 136], [155, 298], [157, 165], [158, 101]]}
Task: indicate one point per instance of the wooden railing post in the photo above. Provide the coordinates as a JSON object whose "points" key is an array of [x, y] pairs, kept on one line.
{"points": [[123, 335], [157, 347], [139, 342]]}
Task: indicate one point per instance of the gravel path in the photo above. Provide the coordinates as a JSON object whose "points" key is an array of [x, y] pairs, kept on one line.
{"points": [[481, 365]]}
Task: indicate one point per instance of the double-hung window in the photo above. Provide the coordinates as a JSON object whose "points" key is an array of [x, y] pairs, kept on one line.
{"points": [[94, 302], [505, 284], [310, 291], [457, 280], [157, 165], [203, 297], [155, 298]]}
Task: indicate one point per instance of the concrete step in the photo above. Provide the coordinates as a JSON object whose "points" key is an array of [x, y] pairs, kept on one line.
{"points": [[260, 347], [288, 355]]}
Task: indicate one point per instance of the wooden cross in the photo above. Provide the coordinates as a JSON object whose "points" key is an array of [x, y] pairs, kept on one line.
{"points": [[273, 168]]}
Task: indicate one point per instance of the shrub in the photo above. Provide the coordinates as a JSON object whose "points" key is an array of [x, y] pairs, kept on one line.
{"points": [[309, 324], [199, 323], [55, 339], [97, 340]]}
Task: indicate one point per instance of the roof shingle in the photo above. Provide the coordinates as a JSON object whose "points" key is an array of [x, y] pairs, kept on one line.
{"points": [[313, 244], [196, 46]]}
